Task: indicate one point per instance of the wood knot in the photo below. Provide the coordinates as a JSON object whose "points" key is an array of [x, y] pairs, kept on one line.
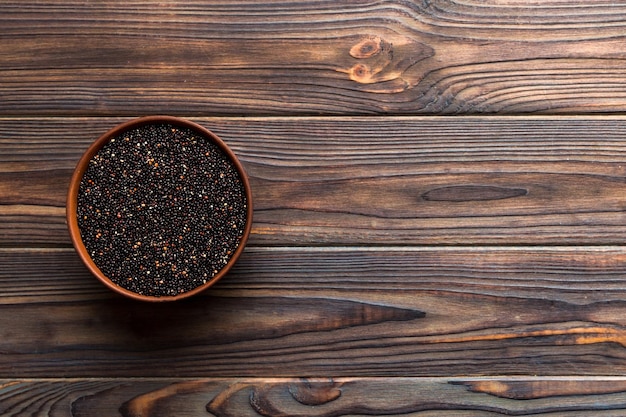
{"points": [[315, 392], [461, 193], [367, 47], [361, 73], [381, 60]]}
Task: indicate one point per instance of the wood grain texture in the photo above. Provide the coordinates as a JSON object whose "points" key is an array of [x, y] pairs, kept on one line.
{"points": [[407, 261], [317, 397], [305, 57], [367, 181], [327, 312]]}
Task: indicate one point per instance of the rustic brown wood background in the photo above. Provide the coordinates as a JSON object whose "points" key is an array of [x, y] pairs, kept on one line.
{"points": [[439, 196]]}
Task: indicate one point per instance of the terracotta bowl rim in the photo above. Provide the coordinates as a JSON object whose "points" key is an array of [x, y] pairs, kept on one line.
{"points": [[81, 167]]}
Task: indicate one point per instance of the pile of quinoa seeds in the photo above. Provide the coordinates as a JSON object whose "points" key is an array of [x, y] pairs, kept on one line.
{"points": [[161, 209]]}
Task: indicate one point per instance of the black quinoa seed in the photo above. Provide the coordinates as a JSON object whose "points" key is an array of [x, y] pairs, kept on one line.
{"points": [[161, 209]]}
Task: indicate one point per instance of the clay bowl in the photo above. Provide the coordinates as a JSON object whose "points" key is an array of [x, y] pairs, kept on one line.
{"points": [[97, 223]]}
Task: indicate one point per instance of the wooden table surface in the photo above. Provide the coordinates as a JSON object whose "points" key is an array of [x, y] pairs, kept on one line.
{"points": [[440, 212]]}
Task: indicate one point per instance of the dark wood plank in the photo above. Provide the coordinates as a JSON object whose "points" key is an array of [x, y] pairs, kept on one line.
{"points": [[463, 397], [304, 57], [328, 311], [367, 181]]}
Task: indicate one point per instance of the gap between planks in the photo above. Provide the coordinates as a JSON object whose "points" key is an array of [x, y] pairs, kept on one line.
{"points": [[381, 248]]}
